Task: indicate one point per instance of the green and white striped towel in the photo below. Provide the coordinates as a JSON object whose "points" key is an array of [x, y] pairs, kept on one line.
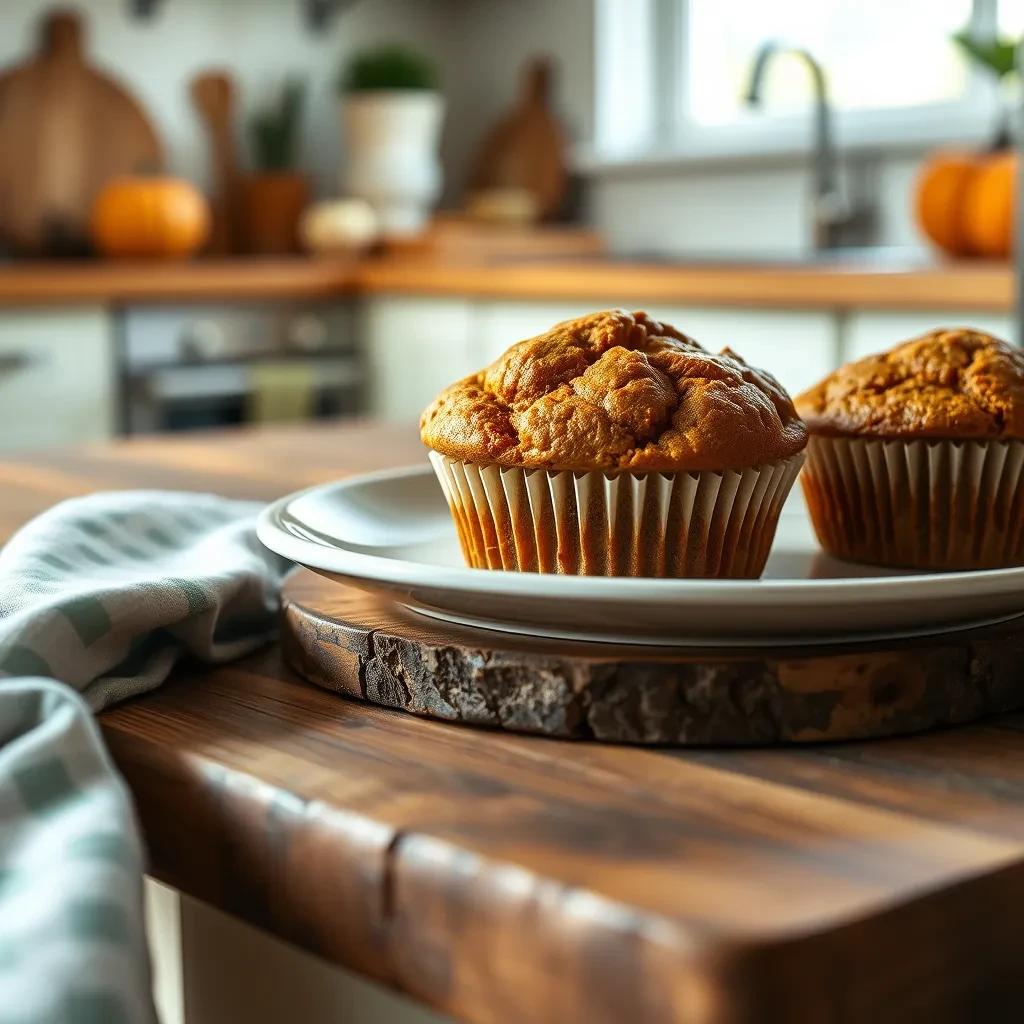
{"points": [[98, 598]]}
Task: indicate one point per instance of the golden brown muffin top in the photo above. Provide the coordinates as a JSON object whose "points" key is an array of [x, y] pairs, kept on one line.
{"points": [[951, 383], [610, 391]]}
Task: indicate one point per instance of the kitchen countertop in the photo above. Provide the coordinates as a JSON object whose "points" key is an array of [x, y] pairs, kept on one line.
{"points": [[117, 282], [506, 878], [984, 287]]}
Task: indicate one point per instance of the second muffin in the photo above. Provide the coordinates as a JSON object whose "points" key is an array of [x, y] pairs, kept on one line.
{"points": [[916, 455], [615, 445]]}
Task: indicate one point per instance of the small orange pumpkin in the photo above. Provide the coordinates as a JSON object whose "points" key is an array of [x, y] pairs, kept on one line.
{"points": [[989, 206], [965, 202], [149, 217]]}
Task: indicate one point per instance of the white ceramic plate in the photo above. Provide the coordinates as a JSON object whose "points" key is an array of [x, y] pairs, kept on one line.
{"points": [[390, 533]]}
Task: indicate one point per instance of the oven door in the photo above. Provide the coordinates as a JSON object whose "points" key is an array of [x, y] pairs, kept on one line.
{"points": [[217, 395], [211, 366]]}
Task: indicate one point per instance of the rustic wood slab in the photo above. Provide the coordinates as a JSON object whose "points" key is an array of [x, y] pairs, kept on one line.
{"points": [[370, 649], [506, 878]]}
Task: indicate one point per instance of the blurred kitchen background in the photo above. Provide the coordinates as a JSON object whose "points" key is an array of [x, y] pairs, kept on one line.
{"points": [[223, 212]]}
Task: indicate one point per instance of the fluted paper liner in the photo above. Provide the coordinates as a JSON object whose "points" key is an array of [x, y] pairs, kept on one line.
{"points": [[918, 504], [616, 524]]}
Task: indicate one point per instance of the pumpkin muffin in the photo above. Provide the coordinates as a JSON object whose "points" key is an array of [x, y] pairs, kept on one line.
{"points": [[916, 454], [616, 445]]}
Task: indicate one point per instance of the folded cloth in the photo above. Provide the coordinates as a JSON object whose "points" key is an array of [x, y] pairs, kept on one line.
{"points": [[98, 599]]}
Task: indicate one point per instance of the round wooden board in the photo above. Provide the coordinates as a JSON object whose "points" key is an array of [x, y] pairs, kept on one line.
{"points": [[368, 649]]}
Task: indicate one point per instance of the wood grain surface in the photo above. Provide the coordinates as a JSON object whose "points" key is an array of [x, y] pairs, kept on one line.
{"points": [[507, 878], [967, 286], [40, 283], [370, 649], [960, 287]]}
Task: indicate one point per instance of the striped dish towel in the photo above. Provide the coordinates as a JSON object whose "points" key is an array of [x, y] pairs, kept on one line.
{"points": [[98, 598]]}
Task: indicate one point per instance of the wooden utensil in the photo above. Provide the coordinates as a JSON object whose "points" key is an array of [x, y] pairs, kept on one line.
{"points": [[213, 95], [526, 150], [65, 130]]}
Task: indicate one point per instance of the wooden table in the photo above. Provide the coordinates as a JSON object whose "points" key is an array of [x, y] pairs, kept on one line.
{"points": [[507, 879]]}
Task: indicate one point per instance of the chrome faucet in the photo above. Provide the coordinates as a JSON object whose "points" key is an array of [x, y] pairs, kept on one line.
{"points": [[835, 221]]}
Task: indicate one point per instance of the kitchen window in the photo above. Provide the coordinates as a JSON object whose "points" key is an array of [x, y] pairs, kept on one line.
{"points": [[672, 75]]}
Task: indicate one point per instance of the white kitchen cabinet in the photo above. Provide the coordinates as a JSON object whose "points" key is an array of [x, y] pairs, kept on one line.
{"points": [[798, 347], [867, 333], [413, 348], [57, 377], [210, 969]]}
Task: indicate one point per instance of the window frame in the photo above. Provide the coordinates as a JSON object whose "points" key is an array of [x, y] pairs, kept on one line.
{"points": [[666, 135]]}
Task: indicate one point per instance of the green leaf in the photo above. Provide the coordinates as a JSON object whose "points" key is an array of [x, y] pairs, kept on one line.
{"points": [[389, 68], [998, 55], [274, 131]]}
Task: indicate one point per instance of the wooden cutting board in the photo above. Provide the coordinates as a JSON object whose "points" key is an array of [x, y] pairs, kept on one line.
{"points": [[458, 237], [526, 150], [65, 130]]}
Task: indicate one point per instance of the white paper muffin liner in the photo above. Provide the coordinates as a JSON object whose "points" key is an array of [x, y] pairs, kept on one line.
{"points": [[918, 504], [712, 524]]}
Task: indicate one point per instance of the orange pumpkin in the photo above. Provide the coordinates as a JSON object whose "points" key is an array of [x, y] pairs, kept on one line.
{"points": [[988, 206], [965, 202], [149, 217]]}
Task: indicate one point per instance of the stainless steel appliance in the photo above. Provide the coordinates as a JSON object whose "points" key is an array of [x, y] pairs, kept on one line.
{"points": [[193, 366]]}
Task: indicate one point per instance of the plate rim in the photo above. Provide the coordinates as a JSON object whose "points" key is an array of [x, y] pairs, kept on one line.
{"points": [[600, 589]]}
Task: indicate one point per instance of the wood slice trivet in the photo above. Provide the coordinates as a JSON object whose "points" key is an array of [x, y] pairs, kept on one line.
{"points": [[369, 649]]}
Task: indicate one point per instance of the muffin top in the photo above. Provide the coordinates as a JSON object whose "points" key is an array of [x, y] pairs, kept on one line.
{"points": [[612, 391], [950, 383]]}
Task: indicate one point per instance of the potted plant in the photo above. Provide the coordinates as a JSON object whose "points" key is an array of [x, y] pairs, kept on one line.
{"points": [[391, 120], [274, 196], [997, 56]]}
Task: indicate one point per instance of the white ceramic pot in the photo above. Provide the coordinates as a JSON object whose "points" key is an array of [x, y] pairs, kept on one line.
{"points": [[391, 155]]}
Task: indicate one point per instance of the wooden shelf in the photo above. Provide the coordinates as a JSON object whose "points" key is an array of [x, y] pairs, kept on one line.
{"points": [[29, 284], [967, 286], [982, 287]]}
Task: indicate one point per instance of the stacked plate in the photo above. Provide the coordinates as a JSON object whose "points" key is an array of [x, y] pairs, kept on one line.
{"points": [[390, 533]]}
